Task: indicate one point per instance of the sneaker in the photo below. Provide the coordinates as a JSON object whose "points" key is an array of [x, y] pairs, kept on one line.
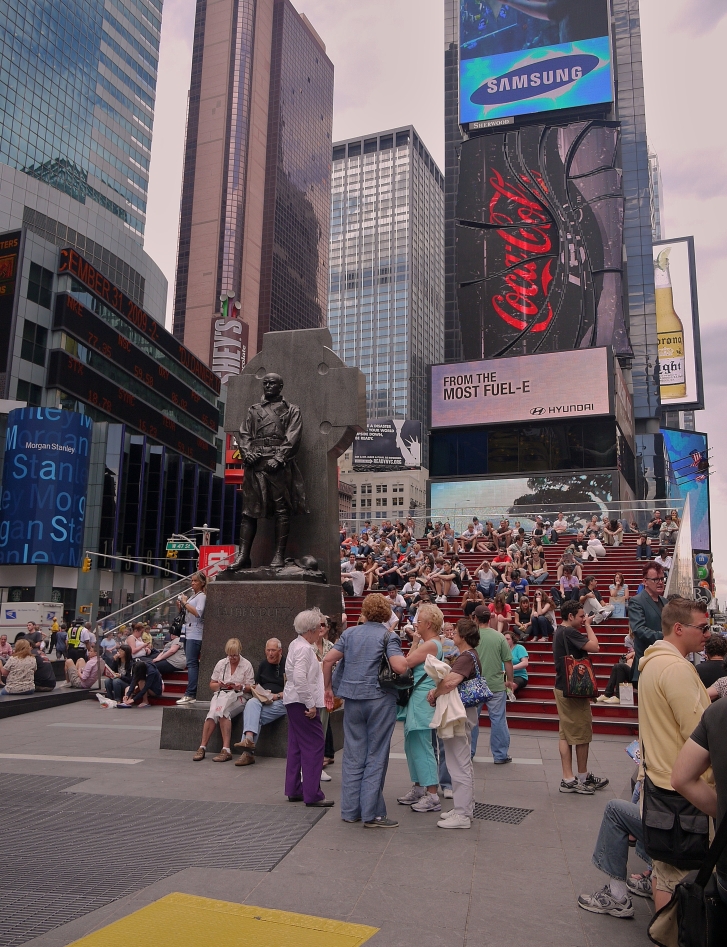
{"points": [[427, 804], [601, 699], [447, 794], [447, 815], [613, 700], [187, 700], [596, 782], [455, 821], [575, 785], [640, 886], [441, 600], [603, 902], [325, 778], [414, 795], [508, 759], [381, 824]]}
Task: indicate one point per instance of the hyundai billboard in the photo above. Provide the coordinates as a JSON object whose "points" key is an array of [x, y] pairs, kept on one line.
{"points": [[528, 56]]}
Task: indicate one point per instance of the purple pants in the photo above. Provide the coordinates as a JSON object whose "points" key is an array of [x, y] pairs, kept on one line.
{"points": [[306, 744]]}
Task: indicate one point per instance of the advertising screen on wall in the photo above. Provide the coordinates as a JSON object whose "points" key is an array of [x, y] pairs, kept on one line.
{"points": [[389, 444], [525, 388], [686, 452], [9, 256], [530, 56], [45, 477], [677, 325]]}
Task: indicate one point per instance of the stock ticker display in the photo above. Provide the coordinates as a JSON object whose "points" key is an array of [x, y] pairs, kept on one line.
{"points": [[539, 241]]}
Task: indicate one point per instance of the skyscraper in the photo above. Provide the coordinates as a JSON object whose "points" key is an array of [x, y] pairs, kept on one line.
{"points": [[77, 93], [256, 190], [386, 300]]}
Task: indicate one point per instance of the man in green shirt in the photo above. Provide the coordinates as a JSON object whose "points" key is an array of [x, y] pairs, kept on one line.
{"points": [[494, 653]]}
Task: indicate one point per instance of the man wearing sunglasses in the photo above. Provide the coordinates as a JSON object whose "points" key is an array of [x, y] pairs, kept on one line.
{"points": [[672, 700], [645, 613]]}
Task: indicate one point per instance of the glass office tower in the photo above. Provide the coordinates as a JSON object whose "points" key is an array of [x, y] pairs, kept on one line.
{"points": [[77, 91], [386, 300]]}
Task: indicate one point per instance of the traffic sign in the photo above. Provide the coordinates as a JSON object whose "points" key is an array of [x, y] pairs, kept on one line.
{"points": [[174, 545]]}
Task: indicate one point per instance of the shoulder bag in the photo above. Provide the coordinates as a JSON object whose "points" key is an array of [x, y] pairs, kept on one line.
{"points": [[476, 690], [389, 679], [696, 916], [675, 831], [580, 679]]}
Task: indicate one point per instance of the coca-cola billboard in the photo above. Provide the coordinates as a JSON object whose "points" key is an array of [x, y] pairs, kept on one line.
{"points": [[539, 237]]}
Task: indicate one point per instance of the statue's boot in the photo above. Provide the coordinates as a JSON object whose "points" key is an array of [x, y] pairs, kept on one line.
{"points": [[282, 530], [247, 535]]}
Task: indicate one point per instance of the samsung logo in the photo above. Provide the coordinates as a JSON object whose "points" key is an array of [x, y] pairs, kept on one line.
{"points": [[534, 79]]}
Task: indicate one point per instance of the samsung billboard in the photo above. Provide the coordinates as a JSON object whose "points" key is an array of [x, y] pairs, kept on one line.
{"points": [[45, 479], [529, 56], [525, 388]]}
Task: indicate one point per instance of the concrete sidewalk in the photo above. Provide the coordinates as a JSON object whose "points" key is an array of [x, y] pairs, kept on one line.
{"points": [[421, 886]]}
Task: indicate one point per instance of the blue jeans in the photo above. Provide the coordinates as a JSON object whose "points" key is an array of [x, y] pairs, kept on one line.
{"points": [[367, 729], [611, 854], [256, 715], [499, 733], [192, 649], [487, 590]]}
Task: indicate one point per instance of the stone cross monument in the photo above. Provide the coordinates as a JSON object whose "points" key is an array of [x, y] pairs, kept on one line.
{"points": [[325, 405]]}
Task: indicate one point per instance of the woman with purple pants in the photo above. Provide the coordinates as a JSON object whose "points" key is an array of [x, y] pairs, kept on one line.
{"points": [[303, 696]]}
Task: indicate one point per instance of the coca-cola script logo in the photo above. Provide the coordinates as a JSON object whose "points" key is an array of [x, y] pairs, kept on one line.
{"points": [[524, 290]]}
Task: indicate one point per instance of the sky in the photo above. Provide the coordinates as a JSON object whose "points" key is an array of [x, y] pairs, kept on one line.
{"points": [[388, 56]]}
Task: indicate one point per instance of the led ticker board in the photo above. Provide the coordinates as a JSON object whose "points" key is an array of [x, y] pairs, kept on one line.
{"points": [[72, 262], [93, 332], [531, 56], [90, 386], [9, 254]]}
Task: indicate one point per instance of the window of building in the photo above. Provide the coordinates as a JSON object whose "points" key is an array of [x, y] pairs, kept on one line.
{"points": [[354, 149], [370, 145], [29, 393], [339, 152], [35, 339], [40, 285], [402, 138], [386, 142]]}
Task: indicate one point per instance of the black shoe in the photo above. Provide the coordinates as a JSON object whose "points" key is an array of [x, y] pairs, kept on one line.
{"points": [[508, 759], [323, 804], [596, 782], [295, 798]]}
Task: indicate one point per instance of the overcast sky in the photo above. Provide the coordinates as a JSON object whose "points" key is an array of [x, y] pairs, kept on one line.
{"points": [[388, 56]]}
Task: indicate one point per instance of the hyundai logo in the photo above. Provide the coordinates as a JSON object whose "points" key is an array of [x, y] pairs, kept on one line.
{"points": [[537, 410]]}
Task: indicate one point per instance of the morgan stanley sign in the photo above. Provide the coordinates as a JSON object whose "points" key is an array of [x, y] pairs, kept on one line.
{"points": [[526, 388], [45, 477]]}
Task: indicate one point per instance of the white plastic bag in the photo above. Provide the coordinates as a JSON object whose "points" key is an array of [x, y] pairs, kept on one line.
{"points": [[106, 702]]}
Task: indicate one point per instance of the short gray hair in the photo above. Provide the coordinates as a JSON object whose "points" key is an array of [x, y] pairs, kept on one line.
{"points": [[276, 641], [307, 621]]}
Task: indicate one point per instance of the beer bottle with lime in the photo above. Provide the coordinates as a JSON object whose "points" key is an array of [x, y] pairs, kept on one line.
{"points": [[669, 333]]}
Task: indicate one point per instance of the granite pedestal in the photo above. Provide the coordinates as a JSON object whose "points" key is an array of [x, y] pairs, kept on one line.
{"points": [[255, 612], [182, 730]]}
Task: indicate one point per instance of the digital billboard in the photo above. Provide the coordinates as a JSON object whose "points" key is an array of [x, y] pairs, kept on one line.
{"points": [[528, 388], [686, 451], [9, 259], [389, 444], [677, 325], [529, 56], [539, 241], [45, 478]]}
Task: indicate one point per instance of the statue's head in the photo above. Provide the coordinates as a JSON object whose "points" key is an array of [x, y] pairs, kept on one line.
{"points": [[272, 385]]}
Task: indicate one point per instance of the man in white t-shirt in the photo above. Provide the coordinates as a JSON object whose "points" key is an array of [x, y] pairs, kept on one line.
{"points": [[410, 590], [353, 583], [560, 525], [396, 601]]}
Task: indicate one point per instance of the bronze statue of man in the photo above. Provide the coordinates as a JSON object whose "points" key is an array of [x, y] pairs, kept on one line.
{"points": [[273, 486]]}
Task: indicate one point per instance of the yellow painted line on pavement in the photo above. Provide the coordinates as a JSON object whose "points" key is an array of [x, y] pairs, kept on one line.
{"points": [[185, 920]]}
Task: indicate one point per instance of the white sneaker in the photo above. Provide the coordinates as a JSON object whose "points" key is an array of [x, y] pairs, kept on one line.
{"points": [[187, 700], [447, 794], [441, 599], [447, 815], [427, 804], [414, 795], [325, 778], [455, 821]]}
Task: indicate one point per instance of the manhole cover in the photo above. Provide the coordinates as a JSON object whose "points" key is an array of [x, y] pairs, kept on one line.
{"points": [[500, 813]]}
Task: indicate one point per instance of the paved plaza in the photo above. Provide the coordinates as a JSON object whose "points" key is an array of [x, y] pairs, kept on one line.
{"points": [[98, 822]]}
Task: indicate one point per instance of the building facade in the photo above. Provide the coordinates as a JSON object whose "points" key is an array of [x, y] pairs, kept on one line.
{"points": [[78, 342], [383, 494], [256, 188], [77, 94], [386, 299]]}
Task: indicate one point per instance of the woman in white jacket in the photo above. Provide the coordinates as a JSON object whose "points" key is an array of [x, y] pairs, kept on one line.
{"points": [[457, 745]]}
